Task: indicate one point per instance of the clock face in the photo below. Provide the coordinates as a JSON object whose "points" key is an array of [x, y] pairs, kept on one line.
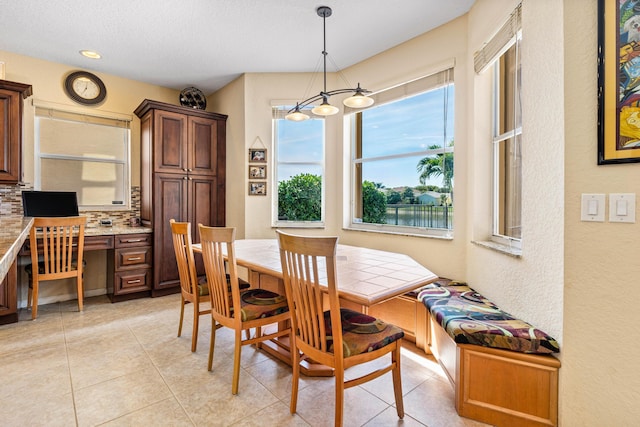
{"points": [[85, 88]]}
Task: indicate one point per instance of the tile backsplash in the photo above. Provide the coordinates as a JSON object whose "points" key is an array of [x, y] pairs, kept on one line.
{"points": [[11, 204]]}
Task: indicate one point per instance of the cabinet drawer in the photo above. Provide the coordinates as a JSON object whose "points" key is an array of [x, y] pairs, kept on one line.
{"points": [[133, 240], [130, 258], [91, 243], [132, 281], [94, 243]]}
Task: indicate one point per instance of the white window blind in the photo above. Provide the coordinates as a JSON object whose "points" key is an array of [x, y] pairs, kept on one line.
{"points": [[500, 42]]}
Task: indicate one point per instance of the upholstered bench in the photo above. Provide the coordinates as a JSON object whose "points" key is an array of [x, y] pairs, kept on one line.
{"points": [[501, 367]]}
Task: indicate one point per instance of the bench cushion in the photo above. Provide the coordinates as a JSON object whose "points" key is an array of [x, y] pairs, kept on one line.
{"points": [[469, 318]]}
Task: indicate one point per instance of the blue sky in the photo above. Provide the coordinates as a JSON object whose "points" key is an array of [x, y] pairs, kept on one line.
{"points": [[410, 125]]}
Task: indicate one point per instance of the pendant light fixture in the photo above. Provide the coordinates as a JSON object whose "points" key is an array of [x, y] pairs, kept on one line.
{"points": [[359, 99]]}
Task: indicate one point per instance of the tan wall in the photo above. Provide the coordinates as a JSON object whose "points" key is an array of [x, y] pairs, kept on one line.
{"points": [[230, 100], [600, 380], [123, 96]]}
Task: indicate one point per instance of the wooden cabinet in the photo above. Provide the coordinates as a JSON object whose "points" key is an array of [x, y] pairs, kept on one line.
{"points": [[129, 265], [9, 296], [11, 96], [182, 177]]}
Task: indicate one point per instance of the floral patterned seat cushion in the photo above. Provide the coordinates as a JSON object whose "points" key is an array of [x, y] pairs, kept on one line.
{"points": [[260, 303], [361, 333], [469, 318]]}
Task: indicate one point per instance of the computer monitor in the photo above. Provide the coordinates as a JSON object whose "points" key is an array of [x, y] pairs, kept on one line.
{"points": [[49, 203]]}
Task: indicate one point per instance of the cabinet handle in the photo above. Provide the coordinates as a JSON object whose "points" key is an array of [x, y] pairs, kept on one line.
{"points": [[133, 281], [134, 258], [189, 170], [184, 169], [184, 177], [134, 240]]}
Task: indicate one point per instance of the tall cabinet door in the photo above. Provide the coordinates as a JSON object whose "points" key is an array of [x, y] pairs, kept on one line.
{"points": [[202, 196], [170, 150], [170, 195], [202, 146]]}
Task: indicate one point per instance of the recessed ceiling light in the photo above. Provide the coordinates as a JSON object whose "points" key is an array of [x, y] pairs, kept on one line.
{"points": [[90, 54]]}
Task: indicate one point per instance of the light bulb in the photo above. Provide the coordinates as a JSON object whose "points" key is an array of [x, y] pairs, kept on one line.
{"points": [[358, 100], [296, 116], [325, 109]]}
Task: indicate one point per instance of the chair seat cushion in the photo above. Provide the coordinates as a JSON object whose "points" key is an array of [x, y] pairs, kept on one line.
{"points": [[469, 318], [361, 333], [260, 303]]}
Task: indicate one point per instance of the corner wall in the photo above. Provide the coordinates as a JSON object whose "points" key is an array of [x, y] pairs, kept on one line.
{"points": [[600, 379]]}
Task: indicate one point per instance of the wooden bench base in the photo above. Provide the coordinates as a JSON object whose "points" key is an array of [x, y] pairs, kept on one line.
{"points": [[498, 387]]}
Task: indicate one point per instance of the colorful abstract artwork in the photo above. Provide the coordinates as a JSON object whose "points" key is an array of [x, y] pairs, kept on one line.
{"points": [[618, 81]]}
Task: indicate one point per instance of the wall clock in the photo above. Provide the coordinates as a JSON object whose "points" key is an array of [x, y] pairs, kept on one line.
{"points": [[85, 88], [194, 98]]}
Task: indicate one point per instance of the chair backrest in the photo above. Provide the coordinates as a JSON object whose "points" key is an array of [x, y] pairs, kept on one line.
{"points": [[181, 234], [217, 247], [62, 242], [309, 263]]}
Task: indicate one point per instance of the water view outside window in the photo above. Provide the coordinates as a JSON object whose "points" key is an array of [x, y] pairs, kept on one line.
{"points": [[403, 162]]}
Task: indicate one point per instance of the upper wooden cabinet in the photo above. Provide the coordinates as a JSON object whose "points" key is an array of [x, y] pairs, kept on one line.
{"points": [[11, 96], [190, 138]]}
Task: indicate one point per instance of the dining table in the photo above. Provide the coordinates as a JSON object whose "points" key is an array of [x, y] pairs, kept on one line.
{"points": [[365, 277]]}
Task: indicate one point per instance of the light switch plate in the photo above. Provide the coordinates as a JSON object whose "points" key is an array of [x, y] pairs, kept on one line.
{"points": [[593, 207], [622, 207]]}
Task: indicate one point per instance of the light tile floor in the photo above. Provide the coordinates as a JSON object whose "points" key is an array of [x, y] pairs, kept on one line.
{"points": [[122, 365]]}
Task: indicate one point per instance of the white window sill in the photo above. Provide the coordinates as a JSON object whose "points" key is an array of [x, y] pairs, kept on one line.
{"points": [[508, 250], [445, 235]]}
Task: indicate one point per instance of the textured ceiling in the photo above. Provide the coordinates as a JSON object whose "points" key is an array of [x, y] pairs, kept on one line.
{"points": [[208, 43]]}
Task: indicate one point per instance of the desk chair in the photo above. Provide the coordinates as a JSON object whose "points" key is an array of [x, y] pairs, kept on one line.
{"points": [[253, 308], [339, 338], [62, 243], [193, 290]]}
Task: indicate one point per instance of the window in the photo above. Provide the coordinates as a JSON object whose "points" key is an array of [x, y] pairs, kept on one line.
{"points": [[299, 171], [507, 151], [402, 159], [86, 154]]}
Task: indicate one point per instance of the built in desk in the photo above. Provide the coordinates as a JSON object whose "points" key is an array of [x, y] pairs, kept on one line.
{"points": [[129, 260]]}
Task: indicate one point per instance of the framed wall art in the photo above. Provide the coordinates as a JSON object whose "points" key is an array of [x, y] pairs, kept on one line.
{"points": [[257, 171], [258, 155], [257, 188], [618, 82]]}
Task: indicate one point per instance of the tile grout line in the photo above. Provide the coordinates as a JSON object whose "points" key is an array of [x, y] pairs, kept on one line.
{"points": [[66, 351], [161, 376]]}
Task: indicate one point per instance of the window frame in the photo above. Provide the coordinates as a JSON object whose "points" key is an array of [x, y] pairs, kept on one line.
{"points": [[279, 111], [49, 111], [353, 123], [514, 132]]}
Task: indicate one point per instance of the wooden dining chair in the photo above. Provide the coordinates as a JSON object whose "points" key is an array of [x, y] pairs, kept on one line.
{"points": [[193, 290], [60, 241], [245, 310], [339, 338]]}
